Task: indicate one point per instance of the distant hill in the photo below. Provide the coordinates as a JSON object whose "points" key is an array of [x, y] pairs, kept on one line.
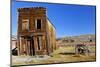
{"points": [[80, 38]]}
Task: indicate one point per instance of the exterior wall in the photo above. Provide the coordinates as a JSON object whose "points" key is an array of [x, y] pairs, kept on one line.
{"points": [[33, 41], [51, 35]]}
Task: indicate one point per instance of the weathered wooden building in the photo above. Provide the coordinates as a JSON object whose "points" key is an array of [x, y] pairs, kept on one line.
{"points": [[13, 41], [36, 34]]}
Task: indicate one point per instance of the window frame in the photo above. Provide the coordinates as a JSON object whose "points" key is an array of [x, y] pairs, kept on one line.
{"points": [[37, 22]]}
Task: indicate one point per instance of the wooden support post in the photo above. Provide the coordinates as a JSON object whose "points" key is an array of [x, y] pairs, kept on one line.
{"points": [[20, 44], [23, 47], [35, 44], [31, 48], [28, 47], [44, 44]]}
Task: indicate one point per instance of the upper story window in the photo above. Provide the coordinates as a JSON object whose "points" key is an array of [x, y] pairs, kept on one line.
{"points": [[38, 23], [25, 24]]}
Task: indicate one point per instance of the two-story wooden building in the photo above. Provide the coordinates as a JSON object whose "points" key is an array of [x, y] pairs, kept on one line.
{"points": [[36, 34]]}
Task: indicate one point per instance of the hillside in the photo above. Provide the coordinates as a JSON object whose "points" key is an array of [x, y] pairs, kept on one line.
{"points": [[80, 38]]}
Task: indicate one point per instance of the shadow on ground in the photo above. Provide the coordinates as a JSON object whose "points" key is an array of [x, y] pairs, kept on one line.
{"points": [[67, 53]]}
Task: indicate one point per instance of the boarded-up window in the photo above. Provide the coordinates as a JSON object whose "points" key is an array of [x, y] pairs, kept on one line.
{"points": [[25, 24]]}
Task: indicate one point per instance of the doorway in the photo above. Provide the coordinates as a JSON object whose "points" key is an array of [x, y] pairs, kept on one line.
{"points": [[32, 48]]}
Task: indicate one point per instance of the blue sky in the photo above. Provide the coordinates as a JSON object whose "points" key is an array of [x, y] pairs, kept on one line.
{"points": [[69, 20]]}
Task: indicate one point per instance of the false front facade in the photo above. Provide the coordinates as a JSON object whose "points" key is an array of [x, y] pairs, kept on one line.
{"points": [[36, 34]]}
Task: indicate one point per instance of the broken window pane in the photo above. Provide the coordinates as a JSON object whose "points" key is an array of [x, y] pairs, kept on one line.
{"points": [[38, 23]]}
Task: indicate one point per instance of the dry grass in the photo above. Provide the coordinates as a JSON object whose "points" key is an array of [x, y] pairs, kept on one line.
{"points": [[63, 54]]}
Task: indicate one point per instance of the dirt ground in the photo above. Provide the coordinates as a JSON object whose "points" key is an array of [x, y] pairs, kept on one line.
{"points": [[61, 55]]}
